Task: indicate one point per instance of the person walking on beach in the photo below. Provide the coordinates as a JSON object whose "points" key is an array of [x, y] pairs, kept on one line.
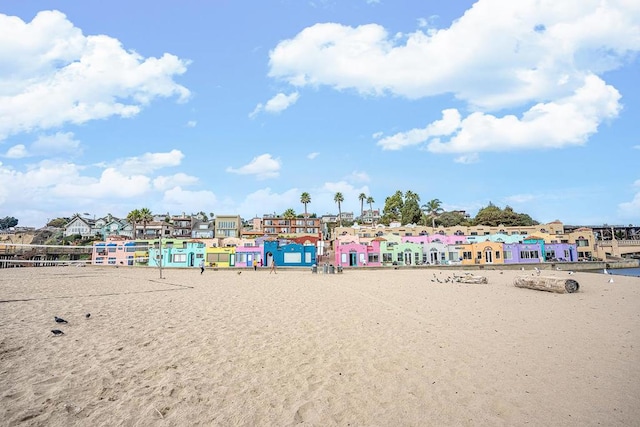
{"points": [[273, 267], [255, 264], [202, 266]]}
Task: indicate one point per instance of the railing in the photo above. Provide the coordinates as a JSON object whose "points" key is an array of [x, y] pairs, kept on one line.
{"points": [[626, 242]]}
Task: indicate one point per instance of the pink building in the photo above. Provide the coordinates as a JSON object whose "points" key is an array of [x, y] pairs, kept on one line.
{"points": [[351, 254], [115, 250]]}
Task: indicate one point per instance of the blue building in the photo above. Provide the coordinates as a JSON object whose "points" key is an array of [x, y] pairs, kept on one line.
{"points": [[287, 254]]}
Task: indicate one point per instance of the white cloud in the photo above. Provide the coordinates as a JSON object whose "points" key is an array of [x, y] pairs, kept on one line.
{"points": [[631, 210], [265, 201], [357, 176], [264, 166], [277, 104], [467, 159], [192, 123], [59, 76], [58, 143], [150, 162], [313, 155], [499, 54], [112, 183], [566, 121], [449, 123], [177, 180], [509, 62], [178, 199], [17, 152], [637, 147]]}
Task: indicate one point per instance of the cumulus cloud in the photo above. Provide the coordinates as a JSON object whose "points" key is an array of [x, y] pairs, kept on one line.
{"points": [[150, 162], [631, 210], [277, 104], [179, 199], [263, 166], [53, 74], [17, 152], [172, 181], [112, 183], [313, 155], [541, 58]]}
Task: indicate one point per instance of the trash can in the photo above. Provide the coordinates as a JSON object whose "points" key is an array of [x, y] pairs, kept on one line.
{"points": [[325, 268], [332, 269], [339, 269], [314, 269]]}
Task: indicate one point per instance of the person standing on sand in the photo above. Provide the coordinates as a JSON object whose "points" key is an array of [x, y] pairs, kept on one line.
{"points": [[273, 267], [255, 264], [202, 266]]}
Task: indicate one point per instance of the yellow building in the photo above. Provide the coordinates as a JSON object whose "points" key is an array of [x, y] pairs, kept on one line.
{"points": [[481, 253], [220, 257]]}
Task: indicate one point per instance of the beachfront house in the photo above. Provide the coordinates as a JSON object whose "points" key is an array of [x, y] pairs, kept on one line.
{"points": [[176, 253], [221, 257], [353, 254], [522, 253], [482, 253], [114, 251], [247, 252], [288, 254]]}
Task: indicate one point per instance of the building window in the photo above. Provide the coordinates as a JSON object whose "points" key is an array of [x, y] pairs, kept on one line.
{"points": [[508, 255], [387, 257], [373, 258], [466, 255], [179, 258]]}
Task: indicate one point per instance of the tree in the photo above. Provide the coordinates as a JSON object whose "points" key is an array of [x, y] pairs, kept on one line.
{"points": [[451, 219], [289, 214], [8, 222], [305, 199], [362, 197], [494, 216], [410, 212], [432, 209], [145, 217], [134, 217], [339, 198], [371, 202], [392, 208]]}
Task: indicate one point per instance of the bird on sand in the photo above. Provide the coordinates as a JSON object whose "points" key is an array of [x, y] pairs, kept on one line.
{"points": [[239, 273], [87, 315], [611, 280], [57, 332], [60, 319]]}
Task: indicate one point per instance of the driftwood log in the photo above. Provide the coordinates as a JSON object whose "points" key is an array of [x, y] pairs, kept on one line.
{"points": [[549, 284], [470, 279]]}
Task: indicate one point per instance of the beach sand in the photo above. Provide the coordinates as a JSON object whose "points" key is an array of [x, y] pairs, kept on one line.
{"points": [[362, 348]]}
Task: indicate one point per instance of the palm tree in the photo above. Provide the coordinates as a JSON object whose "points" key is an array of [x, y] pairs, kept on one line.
{"points": [[145, 217], [433, 209], [134, 217], [339, 198], [362, 197], [305, 198], [289, 214], [371, 202]]}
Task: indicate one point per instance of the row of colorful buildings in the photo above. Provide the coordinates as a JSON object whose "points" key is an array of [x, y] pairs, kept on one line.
{"points": [[347, 250]]}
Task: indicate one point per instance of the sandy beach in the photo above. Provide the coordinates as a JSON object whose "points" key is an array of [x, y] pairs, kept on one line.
{"points": [[363, 348]]}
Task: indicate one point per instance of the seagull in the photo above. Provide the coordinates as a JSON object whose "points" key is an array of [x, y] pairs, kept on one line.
{"points": [[57, 332], [239, 272], [60, 319], [537, 270], [611, 280], [605, 271], [87, 315]]}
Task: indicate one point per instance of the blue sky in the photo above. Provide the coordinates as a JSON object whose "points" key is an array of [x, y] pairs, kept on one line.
{"points": [[237, 107]]}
